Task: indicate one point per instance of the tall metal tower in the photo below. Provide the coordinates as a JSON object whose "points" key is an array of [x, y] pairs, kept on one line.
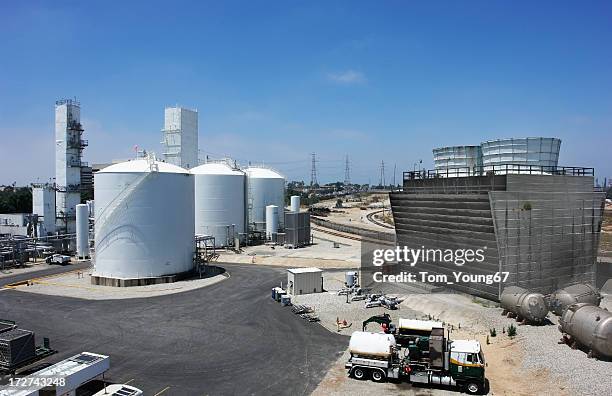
{"points": [[69, 145], [313, 171], [180, 137], [347, 172], [382, 173]]}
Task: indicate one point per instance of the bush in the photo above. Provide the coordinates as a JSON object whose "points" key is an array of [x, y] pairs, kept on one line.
{"points": [[527, 206], [493, 332], [511, 331]]}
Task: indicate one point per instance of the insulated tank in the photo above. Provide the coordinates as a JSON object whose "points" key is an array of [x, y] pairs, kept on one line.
{"points": [[364, 343], [265, 187], [144, 223], [271, 220], [350, 278], [457, 161], [295, 203], [514, 155], [590, 326], [82, 230], [219, 202], [578, 293], [525, 305]]}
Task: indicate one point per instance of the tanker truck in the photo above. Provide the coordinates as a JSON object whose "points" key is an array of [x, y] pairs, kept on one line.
{"points": [[458, 363]]}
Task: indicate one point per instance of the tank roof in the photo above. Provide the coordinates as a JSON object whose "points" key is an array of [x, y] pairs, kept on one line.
{"points": [[141, 165], [519, 138], [215, 168], [268, 173]]}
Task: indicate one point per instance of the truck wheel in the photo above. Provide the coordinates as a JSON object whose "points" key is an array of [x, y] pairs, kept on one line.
{"points": [[359, 373], [472, 388], [378, 376]]}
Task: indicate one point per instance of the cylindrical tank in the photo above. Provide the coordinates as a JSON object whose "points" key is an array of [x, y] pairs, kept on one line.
{"points": [[578, 293], [457, 161], [350, 278], [295, 203], [219, 202], [363, 343], [265, 187], [590, 326], [271, 220], [529, 306], [82, 230], [144, 224], [515, 154]]}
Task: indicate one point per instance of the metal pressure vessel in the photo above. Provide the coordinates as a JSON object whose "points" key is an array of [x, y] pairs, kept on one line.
{"points": [[525, 305], [578, 293], [590, 326]]}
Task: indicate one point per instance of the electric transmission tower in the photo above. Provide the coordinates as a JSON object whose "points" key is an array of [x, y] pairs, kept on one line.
{"points": [[313, 171], [347, 173], [382, 173]]}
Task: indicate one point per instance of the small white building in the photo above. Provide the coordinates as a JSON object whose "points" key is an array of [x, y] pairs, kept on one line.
{"points": [[304, 281]]}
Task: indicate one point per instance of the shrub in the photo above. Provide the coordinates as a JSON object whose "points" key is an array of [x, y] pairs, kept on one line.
{"points": [[493, 332], [511, 331]]}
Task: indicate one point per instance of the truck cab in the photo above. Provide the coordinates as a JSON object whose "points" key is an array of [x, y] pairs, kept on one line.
{"points": [[467, 364]]}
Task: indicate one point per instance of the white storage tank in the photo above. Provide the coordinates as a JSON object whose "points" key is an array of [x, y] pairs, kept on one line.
{"points": [[515, 155], [457, 161], [271, 220], [265, 187], [219, 202], [295, 203], [82, 230], [144, 222]]}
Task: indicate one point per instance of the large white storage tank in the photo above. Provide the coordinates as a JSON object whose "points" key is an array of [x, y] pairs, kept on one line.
{"points": [[219, 202], [514, 155], [144, 223], [265, 187], [457, 161]]}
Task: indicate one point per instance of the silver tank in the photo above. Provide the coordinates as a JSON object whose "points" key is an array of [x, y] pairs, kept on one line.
{"points": [[525, 305], [578, 293], [590, 326]]}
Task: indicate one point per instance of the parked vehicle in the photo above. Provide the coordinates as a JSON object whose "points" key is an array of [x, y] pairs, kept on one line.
{"points": [[441, 361]]}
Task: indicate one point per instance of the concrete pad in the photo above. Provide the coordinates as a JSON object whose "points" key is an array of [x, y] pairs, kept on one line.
{"points": [[78, 285]]}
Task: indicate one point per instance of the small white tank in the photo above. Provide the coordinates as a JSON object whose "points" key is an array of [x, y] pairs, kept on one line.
{"points": [[295, 203], [82, 230], [265, 187], [271, 220], [219, 202], [144, 223]]}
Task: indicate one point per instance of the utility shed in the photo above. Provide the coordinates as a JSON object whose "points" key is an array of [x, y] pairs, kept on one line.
{"points": [[304, 280]]}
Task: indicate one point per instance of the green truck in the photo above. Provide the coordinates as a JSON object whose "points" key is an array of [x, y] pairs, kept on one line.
{"points": [[427, 358]]}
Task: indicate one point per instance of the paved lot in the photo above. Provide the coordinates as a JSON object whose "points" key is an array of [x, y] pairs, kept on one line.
{"points": [[19, 275], [228, 338]]}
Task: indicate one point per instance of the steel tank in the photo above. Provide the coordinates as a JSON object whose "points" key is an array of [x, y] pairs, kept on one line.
{"points": [[578, 293], [457, 161], [144, 223], [82, 231], [528, 306], [515, 155], [219, 202], [264, 187], [590, 326]]}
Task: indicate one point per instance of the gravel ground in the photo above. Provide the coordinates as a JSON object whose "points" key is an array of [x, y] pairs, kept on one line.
{"points": [[565, 368]]}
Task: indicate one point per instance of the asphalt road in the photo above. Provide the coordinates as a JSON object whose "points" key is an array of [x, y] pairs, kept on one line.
{"points": [[58, 269], [230, 338]]}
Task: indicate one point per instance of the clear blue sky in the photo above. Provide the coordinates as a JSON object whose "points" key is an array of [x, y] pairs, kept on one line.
{"points": [[276, 80]]}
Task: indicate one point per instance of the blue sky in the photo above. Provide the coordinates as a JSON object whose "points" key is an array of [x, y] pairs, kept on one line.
{"points": [[276, 80]]}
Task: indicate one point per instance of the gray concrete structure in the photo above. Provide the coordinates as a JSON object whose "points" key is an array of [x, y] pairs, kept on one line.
{"points": [[542, 229]]}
